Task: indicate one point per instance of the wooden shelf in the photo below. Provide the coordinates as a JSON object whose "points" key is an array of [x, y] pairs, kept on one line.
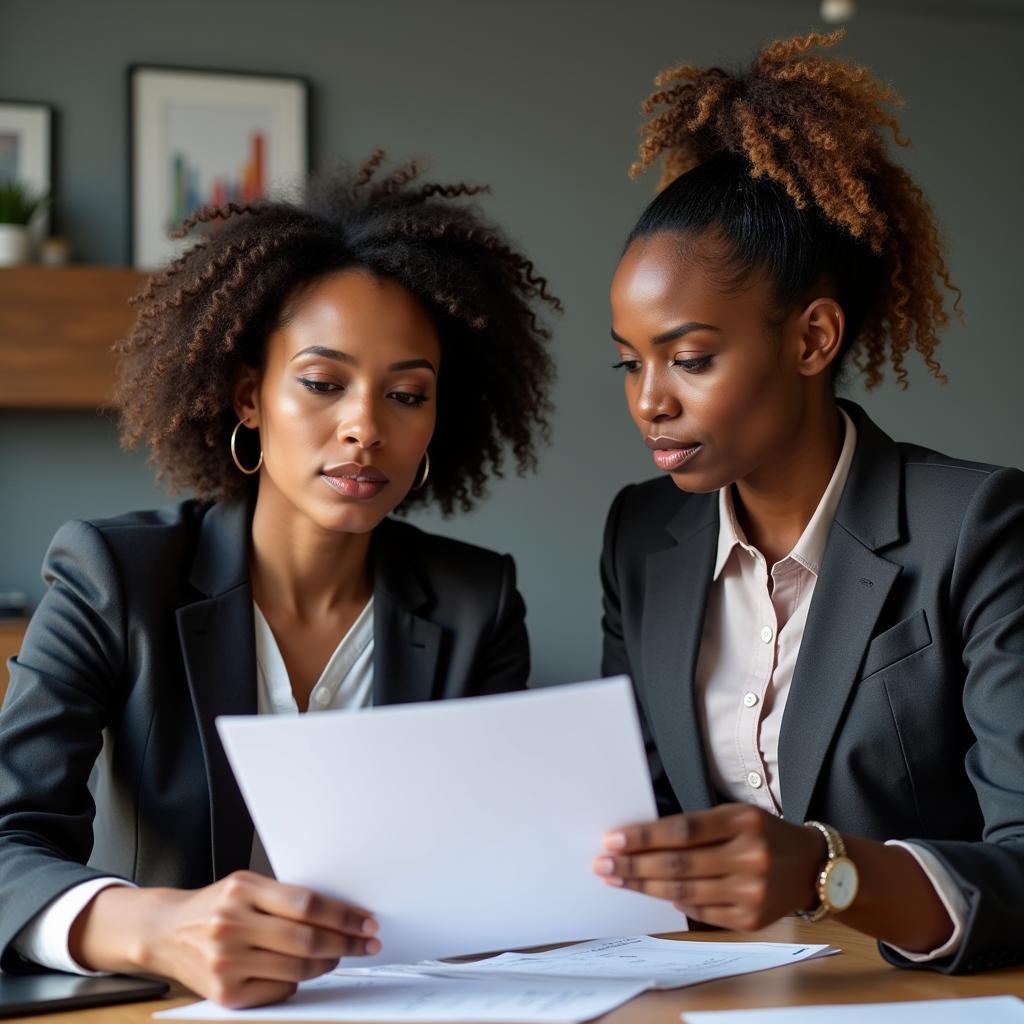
{"points": [[57, 325], [11, 633]]}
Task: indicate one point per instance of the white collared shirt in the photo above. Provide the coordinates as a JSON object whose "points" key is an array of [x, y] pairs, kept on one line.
{"points": [[346, 683], [748, 653]]}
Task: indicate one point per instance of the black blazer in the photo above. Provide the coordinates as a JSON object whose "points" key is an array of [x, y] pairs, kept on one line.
{"points": [[144, 636], [905, 717]]}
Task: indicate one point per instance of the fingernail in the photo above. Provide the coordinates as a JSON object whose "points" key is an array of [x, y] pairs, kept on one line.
{"points": [[370, 927], [613, 881], [614, 841], [604, 865], [373, 946]]}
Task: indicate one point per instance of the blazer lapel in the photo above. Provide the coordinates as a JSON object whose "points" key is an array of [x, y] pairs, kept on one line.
{"points": [[676, 594], [406, 645], [218, 645], [852, 587]]}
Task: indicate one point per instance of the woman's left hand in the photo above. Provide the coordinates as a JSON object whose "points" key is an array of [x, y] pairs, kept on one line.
{"points": [[734, 865]]}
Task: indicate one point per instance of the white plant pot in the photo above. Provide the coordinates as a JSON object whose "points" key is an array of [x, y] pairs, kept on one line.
{"points": [[13, 244]]}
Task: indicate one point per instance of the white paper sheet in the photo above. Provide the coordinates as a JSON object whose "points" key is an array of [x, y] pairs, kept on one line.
{"points": [[382, 998], [664, 963], [464, 826], [987, 1009]]}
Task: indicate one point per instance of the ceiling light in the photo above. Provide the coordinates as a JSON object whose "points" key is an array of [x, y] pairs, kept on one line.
{"points": [[836, 11]]}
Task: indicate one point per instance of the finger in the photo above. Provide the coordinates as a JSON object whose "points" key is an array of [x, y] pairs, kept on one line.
{"points": [[680, 831], [298, 903], [242, 995], [263, 965], [700, 862], [283, 936], [694, 892], [716, 915]]}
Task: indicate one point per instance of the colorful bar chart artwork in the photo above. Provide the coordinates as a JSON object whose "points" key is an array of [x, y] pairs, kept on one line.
{"points": [[190, 189]]}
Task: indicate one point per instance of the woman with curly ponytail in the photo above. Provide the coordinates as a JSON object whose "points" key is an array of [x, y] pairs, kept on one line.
{"points": [[305, 369], [825, 627]]}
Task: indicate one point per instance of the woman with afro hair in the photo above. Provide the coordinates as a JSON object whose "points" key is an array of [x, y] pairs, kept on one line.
{"points": [[825, 627], [306, 369]]}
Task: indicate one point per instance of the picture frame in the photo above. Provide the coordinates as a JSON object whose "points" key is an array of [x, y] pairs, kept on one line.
{"points": [[199, 136], [26, 152]]}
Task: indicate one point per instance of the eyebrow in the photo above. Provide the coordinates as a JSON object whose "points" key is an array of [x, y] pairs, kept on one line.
{"points": [[673, 335], [344, 357]]}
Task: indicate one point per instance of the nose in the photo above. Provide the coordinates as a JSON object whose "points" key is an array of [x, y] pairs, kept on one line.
{"points": [[361, 424], [654, 399]]}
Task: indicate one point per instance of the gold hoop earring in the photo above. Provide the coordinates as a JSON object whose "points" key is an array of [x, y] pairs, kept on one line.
{"points": [[234, 453], [426, 472]]}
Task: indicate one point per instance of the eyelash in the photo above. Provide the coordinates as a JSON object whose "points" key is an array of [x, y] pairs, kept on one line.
{"points": [[325, 387], [698, 365]]}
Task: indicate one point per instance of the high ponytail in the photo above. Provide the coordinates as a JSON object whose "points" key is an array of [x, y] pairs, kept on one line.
{"points": [[787, 163]]}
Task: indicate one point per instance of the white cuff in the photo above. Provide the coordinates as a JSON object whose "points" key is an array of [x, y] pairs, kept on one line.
{"points": [[44, 940], [947, 890]]}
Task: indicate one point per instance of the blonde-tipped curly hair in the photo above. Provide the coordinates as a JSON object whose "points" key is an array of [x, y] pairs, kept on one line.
{"points": [[815, 127]]}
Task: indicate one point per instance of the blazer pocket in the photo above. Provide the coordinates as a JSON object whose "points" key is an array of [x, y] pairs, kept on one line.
{"points": [[896, 643]]}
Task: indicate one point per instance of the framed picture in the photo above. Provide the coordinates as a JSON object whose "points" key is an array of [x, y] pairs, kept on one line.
{"points": [[26, 151], [208, 137]]}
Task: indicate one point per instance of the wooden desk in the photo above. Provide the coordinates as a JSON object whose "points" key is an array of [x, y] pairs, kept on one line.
{"points": [[857, 975]]}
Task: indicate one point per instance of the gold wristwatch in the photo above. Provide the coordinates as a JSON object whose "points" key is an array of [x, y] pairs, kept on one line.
{"points": [[837, 881]]}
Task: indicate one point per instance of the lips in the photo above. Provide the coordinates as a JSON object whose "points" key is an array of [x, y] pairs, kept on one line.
{"points": [[356, 471], [671, 453], [353, 480]]}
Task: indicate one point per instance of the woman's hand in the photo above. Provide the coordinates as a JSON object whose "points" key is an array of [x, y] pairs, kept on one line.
{"points": [[243, 941], [734, 865]]}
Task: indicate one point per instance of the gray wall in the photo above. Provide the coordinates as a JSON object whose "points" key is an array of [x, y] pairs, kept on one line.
{"points": [[541, 100]]}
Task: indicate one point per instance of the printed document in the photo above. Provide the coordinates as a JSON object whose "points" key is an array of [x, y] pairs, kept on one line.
{"points": [[382, 998], [663, 963]]}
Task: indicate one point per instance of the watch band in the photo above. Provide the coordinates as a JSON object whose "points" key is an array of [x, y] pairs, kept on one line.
{"points": [[833, 840], [835, 847]]}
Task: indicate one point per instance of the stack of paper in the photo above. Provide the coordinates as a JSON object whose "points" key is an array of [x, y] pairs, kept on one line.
{"points": [[990, 1009], [559, 986], [659, 963], [383, 997]]}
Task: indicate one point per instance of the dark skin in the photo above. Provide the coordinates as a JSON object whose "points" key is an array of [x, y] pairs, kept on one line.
{"points": [[722, 368], [349, 379]]}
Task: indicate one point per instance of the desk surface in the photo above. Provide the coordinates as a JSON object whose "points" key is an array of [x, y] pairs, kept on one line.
{"points": [[858, 975]]}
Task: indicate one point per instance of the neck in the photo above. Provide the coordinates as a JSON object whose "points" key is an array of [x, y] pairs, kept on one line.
{"points": [[775, 504], [300, 569]]}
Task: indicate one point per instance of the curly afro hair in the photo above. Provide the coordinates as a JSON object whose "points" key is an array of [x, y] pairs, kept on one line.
{"points": [[786, 161], [211, 310]]}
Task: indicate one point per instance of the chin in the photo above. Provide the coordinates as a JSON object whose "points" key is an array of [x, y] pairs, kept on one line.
{"points": [[697, 483], [351, 518]]}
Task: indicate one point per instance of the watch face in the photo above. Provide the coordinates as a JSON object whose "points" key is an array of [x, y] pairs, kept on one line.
{"points": [[841, 885]]}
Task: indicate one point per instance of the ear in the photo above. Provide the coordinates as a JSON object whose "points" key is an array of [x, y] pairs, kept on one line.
{"points": [[820, 328], [247, 396]]}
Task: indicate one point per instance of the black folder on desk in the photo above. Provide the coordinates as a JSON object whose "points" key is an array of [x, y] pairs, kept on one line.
{"points": [[55, 992]]}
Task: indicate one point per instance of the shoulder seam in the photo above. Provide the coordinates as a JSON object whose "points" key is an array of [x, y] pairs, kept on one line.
{"points": [[959, 468]]}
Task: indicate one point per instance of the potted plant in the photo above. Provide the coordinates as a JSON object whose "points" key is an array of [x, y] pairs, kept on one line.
{"points": [[18, 205]]}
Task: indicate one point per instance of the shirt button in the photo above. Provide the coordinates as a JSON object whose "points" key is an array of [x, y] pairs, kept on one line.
{"points": [[767, 634], [749, 699], [322, 697], [754, 780]]}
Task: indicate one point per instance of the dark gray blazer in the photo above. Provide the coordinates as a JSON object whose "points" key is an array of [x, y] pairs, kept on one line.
{"points": [[145, 636], [905, 718]]}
